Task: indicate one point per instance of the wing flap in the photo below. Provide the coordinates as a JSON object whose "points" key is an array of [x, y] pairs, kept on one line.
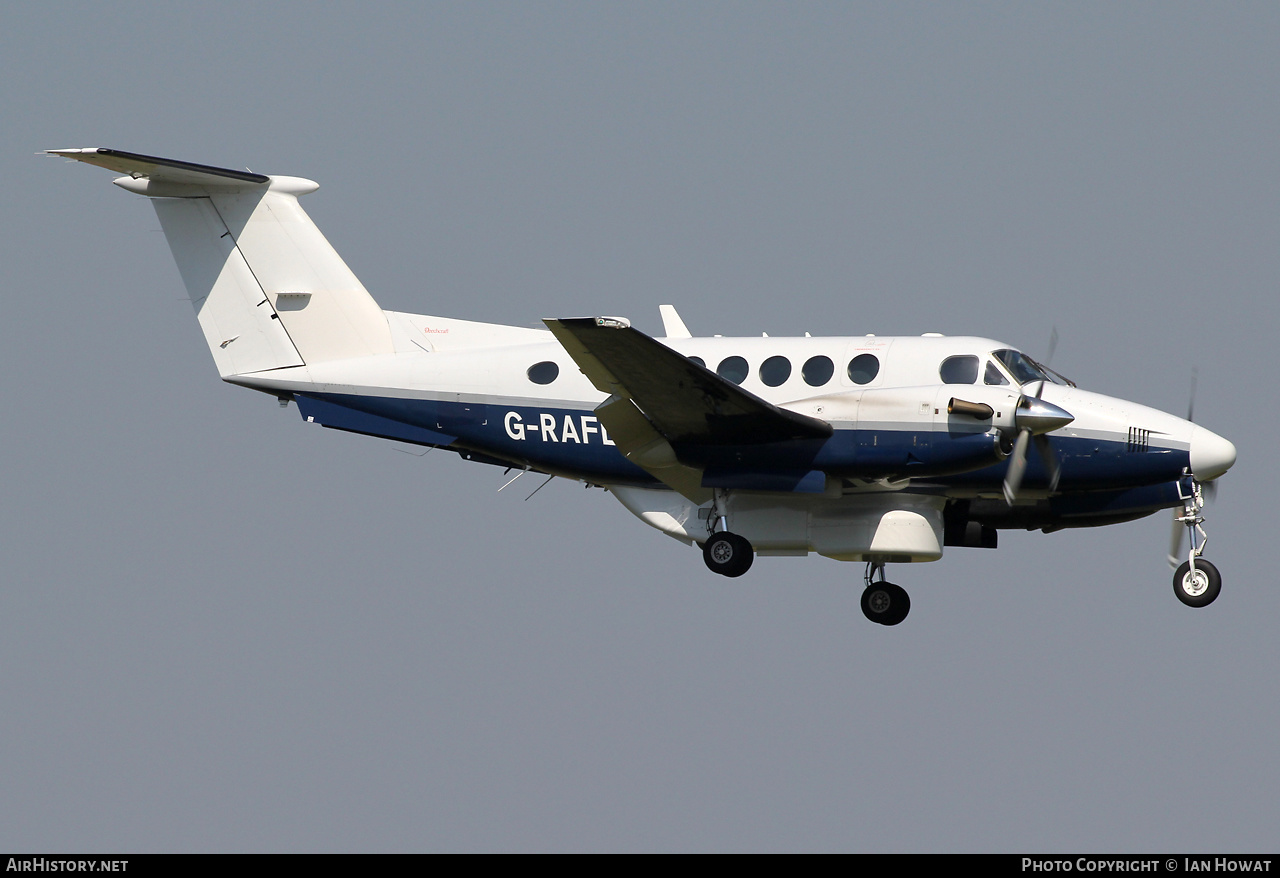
{"points": [[648, 449]]}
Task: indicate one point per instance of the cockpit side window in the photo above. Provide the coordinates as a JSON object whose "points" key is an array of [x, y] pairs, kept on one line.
{"points": [[993, 375], [959, 370]]}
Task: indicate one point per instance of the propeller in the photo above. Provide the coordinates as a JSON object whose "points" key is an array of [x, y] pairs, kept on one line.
{"points": [[1034, 418]]}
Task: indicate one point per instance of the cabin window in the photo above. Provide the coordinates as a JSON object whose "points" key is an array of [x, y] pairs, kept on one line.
{"points": [[959, 370], [775, 371], [993, 375], [818, 370], [864, 368], [543, 373], [733, 369], [701, 362]]}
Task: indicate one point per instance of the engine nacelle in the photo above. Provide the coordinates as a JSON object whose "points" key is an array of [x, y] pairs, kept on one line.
{"points": [[914, 432]]}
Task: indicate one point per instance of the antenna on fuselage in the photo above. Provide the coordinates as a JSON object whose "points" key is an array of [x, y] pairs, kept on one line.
{"points": [[540, 487], [513, 478]]}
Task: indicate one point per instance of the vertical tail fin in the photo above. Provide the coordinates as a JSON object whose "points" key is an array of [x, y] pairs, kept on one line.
{"points": [[269, 290]]}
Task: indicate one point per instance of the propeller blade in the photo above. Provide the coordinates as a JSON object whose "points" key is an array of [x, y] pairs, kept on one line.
{"points": [[1191, 400], [1017, 466], [1047, 365], [1175, 541], [1048, 360], [1053, 346], [1209, 490], [1051, 461]]}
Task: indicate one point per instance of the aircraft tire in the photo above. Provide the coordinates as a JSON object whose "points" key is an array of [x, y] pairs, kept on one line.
{"points": [[885, 603], [727, 554], [1200, 589]]}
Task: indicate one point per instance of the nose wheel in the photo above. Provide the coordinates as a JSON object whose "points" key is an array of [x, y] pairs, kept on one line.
{"points": [[1197, 586], [883, 602]]}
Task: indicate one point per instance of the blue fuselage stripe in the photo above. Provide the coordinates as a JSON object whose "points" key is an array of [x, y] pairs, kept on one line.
{"points": [[573, 441]]}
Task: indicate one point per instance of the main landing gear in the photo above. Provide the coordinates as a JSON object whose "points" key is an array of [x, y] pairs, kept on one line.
{"points": [[1196, 582], [725, 553], [883, 602]]}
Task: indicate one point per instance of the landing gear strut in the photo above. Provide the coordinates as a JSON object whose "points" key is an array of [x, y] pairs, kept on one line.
{"points": [[1196, 582], [883, 602]]}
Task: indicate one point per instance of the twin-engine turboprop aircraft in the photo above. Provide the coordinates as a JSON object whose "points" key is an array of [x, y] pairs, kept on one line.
{"points": [[880, 450]]}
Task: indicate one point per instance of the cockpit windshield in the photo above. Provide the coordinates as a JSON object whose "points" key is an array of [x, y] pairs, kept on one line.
{"points": [[1025, 370], [1022, 367]]}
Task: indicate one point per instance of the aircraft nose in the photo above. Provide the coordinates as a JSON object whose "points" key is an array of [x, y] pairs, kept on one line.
{"points": [[1211, 455]]}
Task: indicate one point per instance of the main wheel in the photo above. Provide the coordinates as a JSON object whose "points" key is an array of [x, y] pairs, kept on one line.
{"points": [[1198, 589], [728, 554], [885, 603]]}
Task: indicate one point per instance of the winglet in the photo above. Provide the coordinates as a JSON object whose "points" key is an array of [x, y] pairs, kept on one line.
{"points": [[672, 325]]}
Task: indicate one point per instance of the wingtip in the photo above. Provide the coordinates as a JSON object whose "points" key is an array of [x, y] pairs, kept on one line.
{"points": [[71, 153]]}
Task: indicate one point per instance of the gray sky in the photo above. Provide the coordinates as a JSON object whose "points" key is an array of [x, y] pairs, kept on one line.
{"points": [[224, 629]]}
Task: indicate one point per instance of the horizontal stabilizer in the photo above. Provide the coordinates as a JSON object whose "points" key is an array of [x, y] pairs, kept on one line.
{"points": [[166, 170]]}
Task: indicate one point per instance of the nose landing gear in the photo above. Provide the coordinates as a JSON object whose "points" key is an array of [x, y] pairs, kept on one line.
{"points": [[883, 602], [1196, 582]]}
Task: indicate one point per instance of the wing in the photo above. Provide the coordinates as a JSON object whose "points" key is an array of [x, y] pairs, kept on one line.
{"points": [[687, 403], [661, 401]]}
